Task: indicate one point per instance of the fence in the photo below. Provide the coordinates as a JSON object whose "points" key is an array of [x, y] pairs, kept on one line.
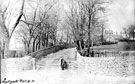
{"points": [[110, 53], [106, 53]]}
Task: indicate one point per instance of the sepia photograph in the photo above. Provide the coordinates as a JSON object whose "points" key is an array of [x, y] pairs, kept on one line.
{"points": [[67, 41]]}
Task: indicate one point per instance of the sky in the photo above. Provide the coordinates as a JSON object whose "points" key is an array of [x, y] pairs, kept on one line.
{"points": [[121, 14]]}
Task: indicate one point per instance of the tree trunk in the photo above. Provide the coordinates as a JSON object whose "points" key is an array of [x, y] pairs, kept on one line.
{"points": [[55, 41], [28, 51], [47, 42], [34, 44], [89, 33], [2, 50], [5, 37], [6, 47], [37, 46]]}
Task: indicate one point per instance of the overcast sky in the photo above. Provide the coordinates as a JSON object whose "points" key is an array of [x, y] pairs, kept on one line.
{"points": [[120, 15]]}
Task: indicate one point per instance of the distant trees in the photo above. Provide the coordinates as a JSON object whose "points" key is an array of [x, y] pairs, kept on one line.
{"points": [[126, 33], [129, 32], [132, 31], [9, 14]]}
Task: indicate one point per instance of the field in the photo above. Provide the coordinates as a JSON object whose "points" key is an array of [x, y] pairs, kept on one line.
{"points": [[121, 46]]}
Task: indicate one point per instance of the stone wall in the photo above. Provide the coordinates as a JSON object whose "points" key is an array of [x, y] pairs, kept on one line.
{"points": [[17, 64], [44, 52], [10, 54]]}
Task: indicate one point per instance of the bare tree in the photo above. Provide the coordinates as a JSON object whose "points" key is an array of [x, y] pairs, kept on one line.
{"points": [[47, 28], [84, 19], [92, 8], [68, 33], [29, 30], [102, 27], [42, 27], [76, 20], [6, 17]]}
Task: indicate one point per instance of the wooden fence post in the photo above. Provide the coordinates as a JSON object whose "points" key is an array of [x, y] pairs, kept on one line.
{"points": [[75, 54], [34, 63]]}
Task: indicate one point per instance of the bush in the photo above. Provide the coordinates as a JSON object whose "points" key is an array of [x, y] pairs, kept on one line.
{"points": [[44, 52], [109, 43]]}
